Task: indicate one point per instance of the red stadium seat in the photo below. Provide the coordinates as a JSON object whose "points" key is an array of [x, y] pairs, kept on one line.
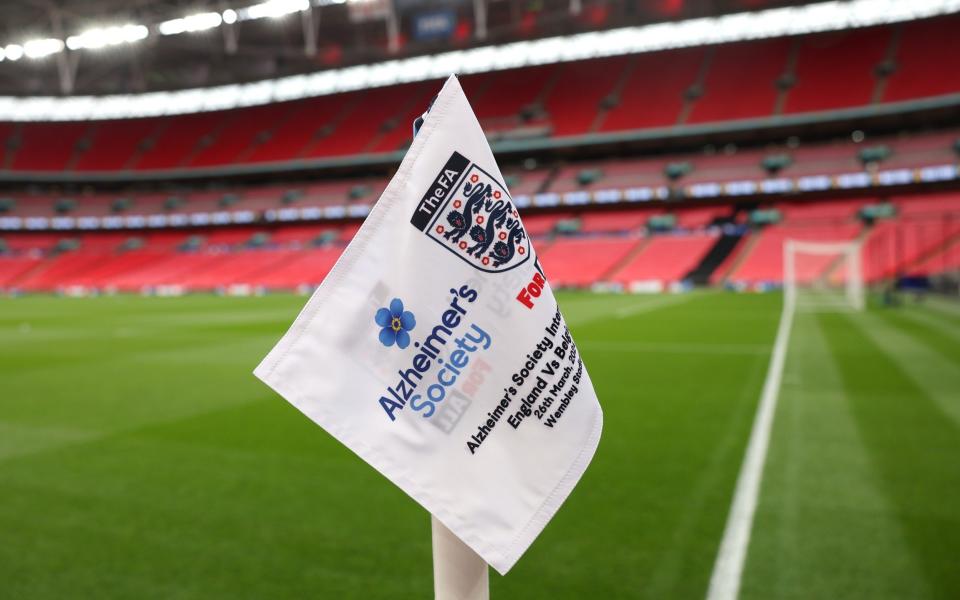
{"points": [[48, 146], [836, 70], [928, 59], [581, 262], [665, 259], [653, 94], [115, 144], [733, 92]]}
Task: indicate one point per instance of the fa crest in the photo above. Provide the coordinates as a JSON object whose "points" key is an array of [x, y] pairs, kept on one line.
{"points": [[475, 219]]}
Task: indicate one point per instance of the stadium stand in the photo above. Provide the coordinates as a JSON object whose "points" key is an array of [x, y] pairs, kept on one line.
{"points": [[732, 92], [927, 52], [368, 117], [235, 135], [265, 234], [811, 73], [114, 145], [922, 238], [175, 139], [577, 249], [613, 222], [763, 261], [664, 259], [303, 121], [940, 261], [578, 113], [639, 105], [579, 262], [837, 70], [13, 269], [46, 146], [499, 98]]}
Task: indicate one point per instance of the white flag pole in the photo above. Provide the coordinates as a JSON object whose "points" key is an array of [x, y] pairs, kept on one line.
{"points": [[458, 572]]}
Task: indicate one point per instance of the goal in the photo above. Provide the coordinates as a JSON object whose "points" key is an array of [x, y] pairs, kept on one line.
{"points": [[823, 275]]}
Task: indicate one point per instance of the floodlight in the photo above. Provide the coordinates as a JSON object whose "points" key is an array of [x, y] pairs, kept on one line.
{"points": [[273, 9], [107, 36], [197, 22], [42, 47], [14, 51]]}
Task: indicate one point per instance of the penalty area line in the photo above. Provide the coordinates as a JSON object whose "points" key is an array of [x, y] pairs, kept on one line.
{"points": [[728, 568]]}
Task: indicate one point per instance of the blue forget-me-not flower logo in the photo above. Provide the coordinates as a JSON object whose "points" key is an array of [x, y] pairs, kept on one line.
{"points": [[395, 324]]}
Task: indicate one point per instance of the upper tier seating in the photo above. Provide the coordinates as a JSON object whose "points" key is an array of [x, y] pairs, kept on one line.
{"points": [[733, 92], [237, 135], [117, 144], [304, 121], [928, 59], [365, 118], [653, 94], [650, 90], [47, 146], [836, 70], [175, 140], [573, 102]]}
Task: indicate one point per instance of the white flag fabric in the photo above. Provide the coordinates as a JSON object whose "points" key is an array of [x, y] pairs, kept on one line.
{"points": [[435, 349]]}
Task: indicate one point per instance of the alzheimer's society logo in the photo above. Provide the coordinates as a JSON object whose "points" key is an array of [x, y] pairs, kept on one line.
{"points": [[395, 324]]}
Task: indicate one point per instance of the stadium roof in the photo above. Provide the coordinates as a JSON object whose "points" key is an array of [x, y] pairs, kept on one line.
{"points": [[95, 45]]}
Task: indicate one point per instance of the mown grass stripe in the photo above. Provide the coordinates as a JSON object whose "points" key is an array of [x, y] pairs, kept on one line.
{"points": [[948, 309], [203, 484], [929, 361], [822, 496], [913, 443], [933, 320]]}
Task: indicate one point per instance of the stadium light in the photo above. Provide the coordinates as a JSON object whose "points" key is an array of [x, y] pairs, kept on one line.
{"points": [[108, 36], [229, 16], [41, 48], [197, 22], [13, 52], [273, 9]]}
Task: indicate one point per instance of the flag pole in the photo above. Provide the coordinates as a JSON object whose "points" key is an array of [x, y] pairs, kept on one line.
{"points": [[458, 572]]}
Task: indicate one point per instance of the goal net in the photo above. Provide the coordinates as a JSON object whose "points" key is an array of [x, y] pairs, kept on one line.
{"points": [[823, 275]]}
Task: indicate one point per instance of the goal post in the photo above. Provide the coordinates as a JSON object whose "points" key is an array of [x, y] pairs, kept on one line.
{"points": [[823, 275]]}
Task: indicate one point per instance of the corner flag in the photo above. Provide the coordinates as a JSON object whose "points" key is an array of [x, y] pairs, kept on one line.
{"points": [[435, 349]]}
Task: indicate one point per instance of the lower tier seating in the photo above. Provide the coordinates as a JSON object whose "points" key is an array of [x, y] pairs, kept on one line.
{"points": [[642, 247]]}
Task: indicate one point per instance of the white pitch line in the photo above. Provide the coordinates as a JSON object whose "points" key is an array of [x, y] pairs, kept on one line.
{"points": [[728, 568]]}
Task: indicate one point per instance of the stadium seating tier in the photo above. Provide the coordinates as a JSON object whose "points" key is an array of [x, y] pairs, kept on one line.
{"points": [[754, 79]]}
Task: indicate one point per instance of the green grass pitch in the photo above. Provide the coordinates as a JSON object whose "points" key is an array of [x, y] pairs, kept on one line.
{"points": [[139, 458]]}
